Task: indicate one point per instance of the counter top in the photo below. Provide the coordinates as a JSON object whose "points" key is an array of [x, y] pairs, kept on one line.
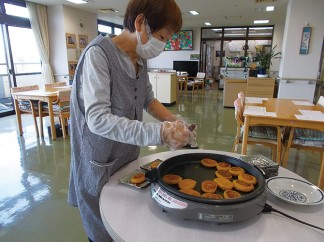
{"points": [[130, 214]]}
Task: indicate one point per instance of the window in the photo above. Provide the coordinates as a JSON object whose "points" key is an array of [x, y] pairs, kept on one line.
{"points": [[109, 28], [104, 29], [15, 10], [24, 51], [118, 31]]}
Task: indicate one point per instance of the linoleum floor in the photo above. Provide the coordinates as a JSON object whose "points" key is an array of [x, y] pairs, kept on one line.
{"points": [[34, 171]]}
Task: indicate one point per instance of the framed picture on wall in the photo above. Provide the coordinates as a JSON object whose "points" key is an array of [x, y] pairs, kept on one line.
{"points": [[70, 40], [83, 40], [180, 41], [306, 36], [72, 67]]}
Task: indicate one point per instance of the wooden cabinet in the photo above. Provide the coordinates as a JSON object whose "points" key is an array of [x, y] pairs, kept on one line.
{"points": [[260, 87], [164, 86]]}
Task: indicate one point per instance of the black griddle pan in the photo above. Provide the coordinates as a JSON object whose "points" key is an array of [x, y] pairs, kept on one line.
{"points": [[189, 166]]}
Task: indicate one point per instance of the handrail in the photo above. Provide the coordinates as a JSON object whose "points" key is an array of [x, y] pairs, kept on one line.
{"points": [[298, 79]]}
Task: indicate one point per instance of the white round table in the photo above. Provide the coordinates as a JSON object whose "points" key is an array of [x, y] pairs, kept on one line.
{"points": [[130, 214]]}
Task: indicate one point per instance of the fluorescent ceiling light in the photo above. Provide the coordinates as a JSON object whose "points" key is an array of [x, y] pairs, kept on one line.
{"points": [[261, 21], [77, 1], [194, 12], [261, 28], [228, 29], [217, 30], [108, 10], [207, 23], [269, 8]]}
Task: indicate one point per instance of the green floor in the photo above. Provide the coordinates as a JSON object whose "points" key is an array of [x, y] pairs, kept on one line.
{"points": [[34, 172]]}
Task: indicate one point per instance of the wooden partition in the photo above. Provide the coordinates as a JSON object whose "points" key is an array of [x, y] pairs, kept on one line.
{"points": [[231, 88], [260, 87]]}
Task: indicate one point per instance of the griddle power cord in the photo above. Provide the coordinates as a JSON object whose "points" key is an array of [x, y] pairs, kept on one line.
{"points": [[268, 209]]}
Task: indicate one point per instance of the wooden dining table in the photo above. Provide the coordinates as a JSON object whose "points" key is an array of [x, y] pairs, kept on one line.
{"points": [[285, 115], [48, 95], [280, 112]]}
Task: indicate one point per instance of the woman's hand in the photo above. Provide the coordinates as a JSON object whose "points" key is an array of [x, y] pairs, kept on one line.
{"points": [[176, 134]]}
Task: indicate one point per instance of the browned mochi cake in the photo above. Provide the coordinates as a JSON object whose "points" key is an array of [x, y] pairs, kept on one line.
{"points": [[243, 186], [190, 192], [208, 186], [223, 183], [231, 194], [138, 178], [223, 166], [187, 184], [208, 162], [247, 178], [236, 170], [223, 173], [155, 164], [171, 179], [212, 196]]}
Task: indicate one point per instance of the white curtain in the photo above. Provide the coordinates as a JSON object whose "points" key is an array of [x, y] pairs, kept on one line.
{"points": [[38, 21]]}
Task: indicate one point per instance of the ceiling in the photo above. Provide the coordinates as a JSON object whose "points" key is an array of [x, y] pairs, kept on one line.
{"points": [[217, 12]]}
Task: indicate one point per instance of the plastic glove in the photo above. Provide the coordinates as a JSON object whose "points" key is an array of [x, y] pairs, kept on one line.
{"points": [[176, 117], [176, 134]]}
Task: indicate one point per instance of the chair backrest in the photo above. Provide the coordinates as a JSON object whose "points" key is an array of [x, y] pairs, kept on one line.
{"points": [[56, 84], [239, 109], [201, 75], [24, 88], [64, 99], [320, 102]]}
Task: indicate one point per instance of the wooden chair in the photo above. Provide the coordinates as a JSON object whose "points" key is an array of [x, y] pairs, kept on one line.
{"points": [[182, 83], [269, 136], [61, 109], [197, 81], [306, 139], [28, 106]]}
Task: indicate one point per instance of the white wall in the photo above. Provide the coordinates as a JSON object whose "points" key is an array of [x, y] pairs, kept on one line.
{"points": [[64, 19], [72, 19], [166, 58], [278, 33], [293, 64], [58, 57]]}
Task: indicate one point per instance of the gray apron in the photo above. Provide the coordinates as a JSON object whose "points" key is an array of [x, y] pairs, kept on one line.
{"points": [[95, 158]]}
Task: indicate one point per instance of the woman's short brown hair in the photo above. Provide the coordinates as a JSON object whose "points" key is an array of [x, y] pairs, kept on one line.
{"points": [[159, 14]]}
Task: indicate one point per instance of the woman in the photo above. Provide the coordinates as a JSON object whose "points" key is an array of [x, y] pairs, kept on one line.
{"points": [[110, 91]]}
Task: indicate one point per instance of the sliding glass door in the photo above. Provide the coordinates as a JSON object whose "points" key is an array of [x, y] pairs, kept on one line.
{"points": [[20, 63], [6, 105]]}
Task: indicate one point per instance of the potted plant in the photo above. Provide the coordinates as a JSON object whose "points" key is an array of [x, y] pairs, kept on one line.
{"points": [[264, 59]]}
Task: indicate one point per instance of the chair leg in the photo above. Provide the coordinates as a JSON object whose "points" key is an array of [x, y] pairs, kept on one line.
{"points": [[62, 120], [321, 175], [279, 147], [286, 153], [235, 145], [273, 154], [40, 118], [34, 117]]}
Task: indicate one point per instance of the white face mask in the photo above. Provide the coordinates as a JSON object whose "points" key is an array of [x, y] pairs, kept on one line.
{"points": [[152, 48]]}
